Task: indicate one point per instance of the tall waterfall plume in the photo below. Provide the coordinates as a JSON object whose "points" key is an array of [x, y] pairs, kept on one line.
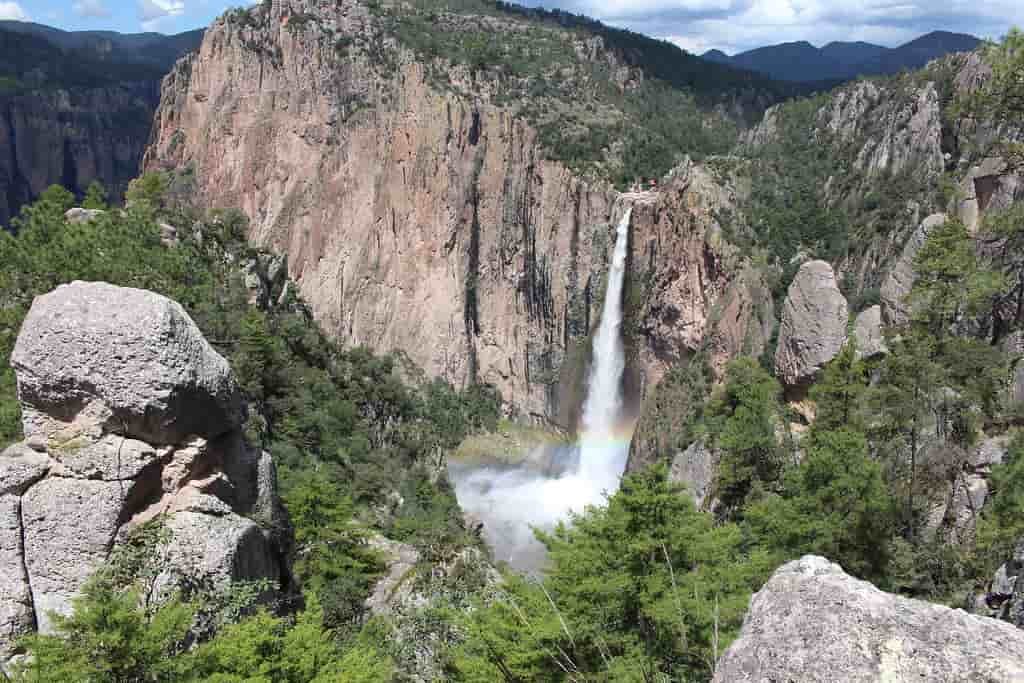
{"points": [[553, 482], [603, 451]]}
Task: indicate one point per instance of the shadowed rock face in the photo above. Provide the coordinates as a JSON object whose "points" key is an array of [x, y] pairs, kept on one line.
{"points": [[900, 280], [419, 220], [812, 622], [71, 138], [129, 414]]}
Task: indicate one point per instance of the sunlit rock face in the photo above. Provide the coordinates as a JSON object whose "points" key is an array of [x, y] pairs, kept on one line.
{"points": [[419, 220], [813, 622]]}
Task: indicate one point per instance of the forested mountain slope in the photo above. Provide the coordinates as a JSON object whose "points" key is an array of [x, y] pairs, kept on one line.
{"points": [[841, 61]]}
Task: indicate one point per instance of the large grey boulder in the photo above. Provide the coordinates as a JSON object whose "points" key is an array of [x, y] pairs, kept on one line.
{"points": [[813, 622], [899, 281], [813, 327], [867, 331], [131, 359], [695, 467]]}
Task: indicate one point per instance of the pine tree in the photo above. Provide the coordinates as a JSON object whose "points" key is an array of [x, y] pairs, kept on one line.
{"points": [[95, 196], [904, 398], [839, 394], [741, 419]]}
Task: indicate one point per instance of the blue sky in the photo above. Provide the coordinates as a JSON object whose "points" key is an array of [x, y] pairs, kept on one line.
{"points": [[127, 16], [697, 25]]}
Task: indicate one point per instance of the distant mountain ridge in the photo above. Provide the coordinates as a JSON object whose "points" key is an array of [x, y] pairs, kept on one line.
{"points": [[802, 62], [151, 49]]}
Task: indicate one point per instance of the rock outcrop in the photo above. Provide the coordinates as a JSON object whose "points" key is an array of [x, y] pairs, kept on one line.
{"points": [[813, 327], [867, 331], [130, 359], [420, 219], [990, 186], [129, 415], [695, 468], [1005, 597], [900, 280], [78, 215], [954, 515], [812, 622]]}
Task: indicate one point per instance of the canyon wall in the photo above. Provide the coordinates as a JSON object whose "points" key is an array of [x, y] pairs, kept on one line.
{"points": [[72, 137], [420, 220]]}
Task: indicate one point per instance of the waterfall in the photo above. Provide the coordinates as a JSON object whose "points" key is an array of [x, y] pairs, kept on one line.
{"points": [[512, 500], [602, 451]]}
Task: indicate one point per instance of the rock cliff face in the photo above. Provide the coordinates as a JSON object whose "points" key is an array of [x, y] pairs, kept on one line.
{"points": [[420, 220], [812, 622], [129, 414], [72, 137]]}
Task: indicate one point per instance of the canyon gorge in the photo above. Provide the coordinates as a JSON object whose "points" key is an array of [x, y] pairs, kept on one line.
{"points": [[579, 357]]}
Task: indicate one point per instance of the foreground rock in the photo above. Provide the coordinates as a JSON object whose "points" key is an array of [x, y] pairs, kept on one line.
{"points": [[133, 360], [813, 622], [129, 415], [813, 327]]}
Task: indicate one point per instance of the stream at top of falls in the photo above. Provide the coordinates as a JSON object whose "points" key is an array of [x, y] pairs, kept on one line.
{"points": [[513, 500]]}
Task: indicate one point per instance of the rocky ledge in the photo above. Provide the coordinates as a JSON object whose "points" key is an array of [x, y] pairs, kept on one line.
{"points": [[129, 415], [813, 622]]}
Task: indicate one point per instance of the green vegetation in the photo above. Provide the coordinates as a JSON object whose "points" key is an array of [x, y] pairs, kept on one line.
{"points": [[1001, 96], [646, 589], [562, 73], [741, 419], [347, 432], [29, 63], [789, 213]]}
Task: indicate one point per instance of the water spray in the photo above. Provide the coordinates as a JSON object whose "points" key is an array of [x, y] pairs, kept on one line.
{"points": [[513, 501]]}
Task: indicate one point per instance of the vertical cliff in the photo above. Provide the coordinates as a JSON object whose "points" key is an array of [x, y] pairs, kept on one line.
{"points": [[76, 107], [72, 137], [418, 218]]}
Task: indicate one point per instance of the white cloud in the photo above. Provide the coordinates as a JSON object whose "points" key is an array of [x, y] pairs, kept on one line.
{"points": [[153, 12], [12, 10], [738, 25], [90, 8]]}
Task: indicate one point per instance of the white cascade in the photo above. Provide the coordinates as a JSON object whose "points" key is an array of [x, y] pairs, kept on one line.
{"points": [[603, 450], [511, 501]]}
